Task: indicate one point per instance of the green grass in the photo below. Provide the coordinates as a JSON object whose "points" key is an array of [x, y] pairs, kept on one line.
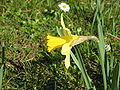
{"points": [[24, 25]]}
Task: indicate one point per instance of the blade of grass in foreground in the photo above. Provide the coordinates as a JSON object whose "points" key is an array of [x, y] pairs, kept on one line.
{"points": [[100, 20], [102, 52], [1, 76], [81, 69], [2, 66], [79, 62], [116, 77]]}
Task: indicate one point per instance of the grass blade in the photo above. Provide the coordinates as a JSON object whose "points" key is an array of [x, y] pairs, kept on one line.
{"points": [[81, 69], [1, 76], [2, 67], [116, 77], [3, 53], [59, 31], [102, 52], [79, 62]]}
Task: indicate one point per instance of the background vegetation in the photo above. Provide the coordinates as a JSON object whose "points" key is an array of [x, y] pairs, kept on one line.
{"points": [[24, 25]]}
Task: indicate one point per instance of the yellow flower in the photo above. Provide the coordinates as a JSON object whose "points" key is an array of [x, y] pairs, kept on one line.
{"points": [[66, 42]]}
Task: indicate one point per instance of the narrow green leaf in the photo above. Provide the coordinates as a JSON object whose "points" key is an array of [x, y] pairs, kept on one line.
{"points": [[101, 44], [75, 60], [116, 77], [59, 31], [3, 53], [1, 76], [95, 15], [79, 62]]}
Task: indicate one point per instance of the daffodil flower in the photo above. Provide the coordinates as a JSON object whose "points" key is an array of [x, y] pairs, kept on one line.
{"points": [[66, 42]]}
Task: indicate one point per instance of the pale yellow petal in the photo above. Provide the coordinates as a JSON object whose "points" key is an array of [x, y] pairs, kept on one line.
{"points": [[67, 60], [81, 39], [66, 48]]}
